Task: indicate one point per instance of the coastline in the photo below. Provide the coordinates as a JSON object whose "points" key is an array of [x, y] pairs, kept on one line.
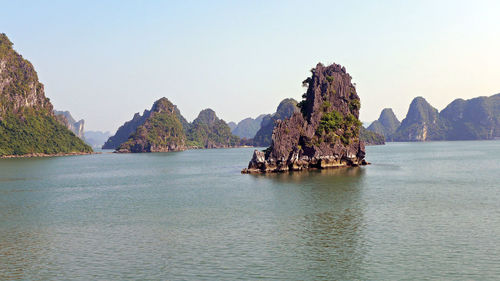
{"points": [[33, 155]]}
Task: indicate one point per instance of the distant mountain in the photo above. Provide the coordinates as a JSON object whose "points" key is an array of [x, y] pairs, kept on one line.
{"points": [[65, 118], [27, 122], [96, 138], [422, 123], [386, 125], [248, 127], [232, 125], [208, 131], [474, 119], [162, 131], [285, 110], [371, 138]]}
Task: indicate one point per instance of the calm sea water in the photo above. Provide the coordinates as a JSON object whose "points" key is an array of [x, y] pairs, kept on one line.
{"points": [[421, 210]]}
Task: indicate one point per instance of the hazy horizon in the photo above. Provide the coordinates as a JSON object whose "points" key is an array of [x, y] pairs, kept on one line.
{"points": [[104, 62]]}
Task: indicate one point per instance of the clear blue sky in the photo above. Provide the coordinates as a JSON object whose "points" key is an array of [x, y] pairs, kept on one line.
{"points": [[106, 60]]}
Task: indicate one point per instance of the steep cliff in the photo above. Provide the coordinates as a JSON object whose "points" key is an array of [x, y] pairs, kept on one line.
{"points": [[27, 123], [65, 118], [324, 134], [208, 131], [386, 124], [286, 109], [162, 131]]}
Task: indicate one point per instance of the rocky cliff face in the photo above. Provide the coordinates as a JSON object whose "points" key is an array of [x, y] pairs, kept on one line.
{"points": [[27, 123], [386, 125], [324, 134], [422, 123], [208, 131], [286, 109], [162, 131], [65, 118]]}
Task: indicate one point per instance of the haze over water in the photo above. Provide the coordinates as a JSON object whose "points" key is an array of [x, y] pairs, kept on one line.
{"points": [[421, 210]]}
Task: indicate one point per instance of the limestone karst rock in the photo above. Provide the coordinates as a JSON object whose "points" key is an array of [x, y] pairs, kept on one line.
{"points": [[324, 134]]}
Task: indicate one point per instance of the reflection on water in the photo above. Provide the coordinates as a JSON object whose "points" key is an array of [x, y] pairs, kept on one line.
{"points": [[333, 175]]}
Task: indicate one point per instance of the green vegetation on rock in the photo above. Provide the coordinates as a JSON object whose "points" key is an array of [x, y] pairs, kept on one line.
{"points": [[27, 123], [161, 132], [334, 125]]}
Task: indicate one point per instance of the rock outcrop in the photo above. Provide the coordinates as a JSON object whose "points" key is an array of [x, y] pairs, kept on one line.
{"points": [[208, 131], [386, 124], [286, 109], [27, 124], [324, 134], [65, 118], [162, 131]]}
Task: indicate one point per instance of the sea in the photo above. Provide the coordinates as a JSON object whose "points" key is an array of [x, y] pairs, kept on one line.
{"points": [[420, 211]]}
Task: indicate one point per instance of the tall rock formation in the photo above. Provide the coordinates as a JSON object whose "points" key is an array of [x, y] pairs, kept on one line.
{"points": [[162, 131], [248, 127], [65, 118], [286, 109], [27, 123], [208, 131], [422, 123], [386, 125], [324, 134]]}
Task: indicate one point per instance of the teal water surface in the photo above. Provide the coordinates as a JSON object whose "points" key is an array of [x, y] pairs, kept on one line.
{"points": [[420, 211]]}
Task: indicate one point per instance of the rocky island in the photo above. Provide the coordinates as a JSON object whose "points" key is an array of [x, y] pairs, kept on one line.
{"points": [[28, 126], [325, 133], [164, 129], [161, 131]]}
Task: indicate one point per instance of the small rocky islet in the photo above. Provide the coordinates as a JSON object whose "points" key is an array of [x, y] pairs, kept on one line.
{"points": [[324, 134]]}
